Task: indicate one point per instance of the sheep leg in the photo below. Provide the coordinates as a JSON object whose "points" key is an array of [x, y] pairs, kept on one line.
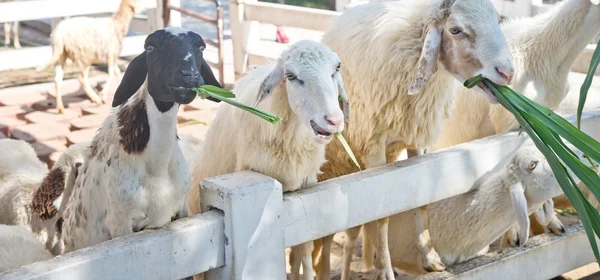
{"points": [[324, 269], [431, 259], [111, 77], [295, 263], [383, 261], [510, 238], [368, 253], [117, 69], [352, 234], [6, 33], [306, 254], [58, 77], [16, 41], [85, 83], [547, 218]]}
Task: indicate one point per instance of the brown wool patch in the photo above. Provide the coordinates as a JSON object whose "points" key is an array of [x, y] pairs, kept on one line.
{"points": [[133, 127], [51, 188]]}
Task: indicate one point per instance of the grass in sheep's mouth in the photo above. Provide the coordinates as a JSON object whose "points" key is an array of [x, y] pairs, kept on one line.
{"points": [[342, 140], [225, 95], [547, 131]]}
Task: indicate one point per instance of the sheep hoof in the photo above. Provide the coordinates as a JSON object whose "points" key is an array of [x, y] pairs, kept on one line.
{"points": [[61, 110], [557, 229], [435, 266]]}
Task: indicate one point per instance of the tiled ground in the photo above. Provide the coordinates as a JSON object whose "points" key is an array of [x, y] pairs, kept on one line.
{"points": [[28, 113]]}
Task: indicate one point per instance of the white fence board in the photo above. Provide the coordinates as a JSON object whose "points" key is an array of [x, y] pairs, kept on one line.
{"points": [[344, 202], [184, 248], [42, 9], [286, 15]]}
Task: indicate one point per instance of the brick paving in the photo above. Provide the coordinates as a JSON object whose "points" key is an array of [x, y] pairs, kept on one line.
{"points": [[28, 113]]}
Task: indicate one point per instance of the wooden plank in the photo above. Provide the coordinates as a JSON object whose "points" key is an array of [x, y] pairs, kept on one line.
{"points": [[359, 198], [183, 248], [43, 9], [36, 56], [286, 15]]}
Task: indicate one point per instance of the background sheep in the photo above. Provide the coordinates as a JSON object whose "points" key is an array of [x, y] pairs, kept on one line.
{"points": [[32, 197], [392, 51], [136, 168], [463, 226], [543, 49], [303, 89], [19, 247], [15, 30], [85, 41]]}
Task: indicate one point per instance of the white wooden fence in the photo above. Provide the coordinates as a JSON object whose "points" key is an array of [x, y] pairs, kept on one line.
{"points": [[249, 222], [29, 57]]}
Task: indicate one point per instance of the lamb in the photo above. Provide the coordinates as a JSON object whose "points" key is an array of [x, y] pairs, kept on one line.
{"points": [[463, 226], [392, 50], [303, 89], [32, 197], [543, 48], [135, 167], [19, 247], [85, 41], [15, 31]]}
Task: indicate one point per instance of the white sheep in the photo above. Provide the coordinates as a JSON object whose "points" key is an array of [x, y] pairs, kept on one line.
{"points": [[463, 226], [136, 168], [19, 247], [87, 40], [15, 30], [30, 196], [543, 49], [392, 51], [303, 89]]}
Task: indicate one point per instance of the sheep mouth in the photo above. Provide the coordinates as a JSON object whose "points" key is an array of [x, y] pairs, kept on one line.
{"points": [[489, 94], [183, 95], [320, 132]]}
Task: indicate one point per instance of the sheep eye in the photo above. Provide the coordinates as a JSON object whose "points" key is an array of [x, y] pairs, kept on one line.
{"points": [[202, 48], [149, 48], [290, 76], [532, 165], [455, 30]]}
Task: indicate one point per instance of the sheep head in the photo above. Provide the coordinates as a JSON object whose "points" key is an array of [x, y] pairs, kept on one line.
{"points": [[173, 63], [465, 36], [314, 86]]}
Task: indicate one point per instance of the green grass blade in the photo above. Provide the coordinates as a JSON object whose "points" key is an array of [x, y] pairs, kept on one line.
{"points": [[223, 96], [585, 87], [556, 123], [217, 90], [347, 147]]}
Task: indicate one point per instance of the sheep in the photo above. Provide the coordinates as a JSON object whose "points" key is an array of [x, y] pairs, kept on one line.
{"points": [[32, 197], [15, 31], [543, 47], [86, 40], [303, 89], [393, 49], [19, 247], [463, 226], [135, 167]]}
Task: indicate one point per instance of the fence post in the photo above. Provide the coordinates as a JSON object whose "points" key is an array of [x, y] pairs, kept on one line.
{"points": [[252, 204], [244, 34]]}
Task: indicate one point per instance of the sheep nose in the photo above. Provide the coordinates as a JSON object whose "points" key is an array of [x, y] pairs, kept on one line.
{"points": [[506, 73], [188, 73], [334, 119]]}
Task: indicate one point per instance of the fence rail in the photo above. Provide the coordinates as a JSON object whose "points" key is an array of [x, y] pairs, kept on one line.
{"points": [[249, 222]]}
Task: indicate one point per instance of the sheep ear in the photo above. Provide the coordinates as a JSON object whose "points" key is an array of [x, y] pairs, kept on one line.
{"points": [[209, 78], [133, 79], [343, 97], [427, 60], [272, 80], [519, 203]]}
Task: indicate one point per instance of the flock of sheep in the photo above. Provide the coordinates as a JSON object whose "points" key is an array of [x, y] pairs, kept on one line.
{"points": [[387, 75]]}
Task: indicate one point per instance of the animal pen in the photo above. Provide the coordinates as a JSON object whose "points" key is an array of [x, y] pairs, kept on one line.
{"points": [[248, 222]]}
